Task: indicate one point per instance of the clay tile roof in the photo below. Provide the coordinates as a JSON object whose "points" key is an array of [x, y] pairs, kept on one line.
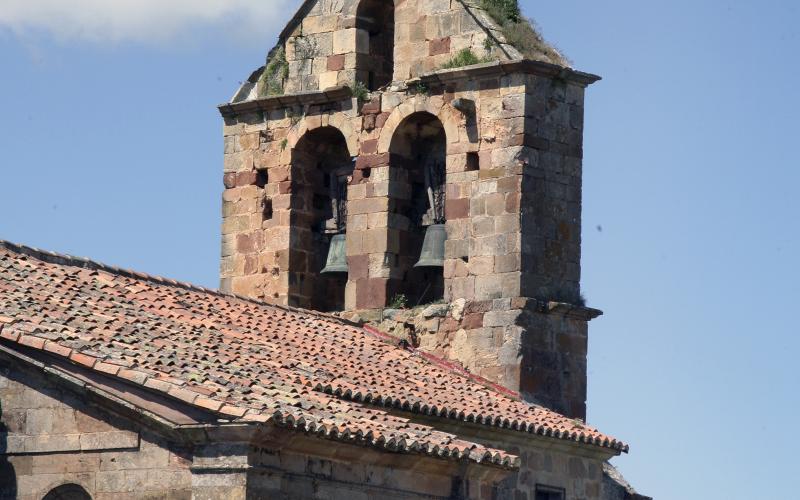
{"points": [[258, 362]]}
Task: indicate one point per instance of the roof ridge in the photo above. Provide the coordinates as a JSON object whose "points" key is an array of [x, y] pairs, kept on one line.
{"points": [[86, 263]]}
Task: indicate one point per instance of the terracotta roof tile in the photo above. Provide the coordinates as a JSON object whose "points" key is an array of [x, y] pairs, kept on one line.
{"points": [[246, 359]]}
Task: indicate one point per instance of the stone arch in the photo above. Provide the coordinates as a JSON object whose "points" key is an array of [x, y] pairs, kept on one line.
{"points": [[448, 116], [321, 171], [417, 187], [68, 492], [309, 123]]}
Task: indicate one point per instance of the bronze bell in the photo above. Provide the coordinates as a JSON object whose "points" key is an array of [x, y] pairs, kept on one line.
{"points": [[432, 254], [337, 255]]}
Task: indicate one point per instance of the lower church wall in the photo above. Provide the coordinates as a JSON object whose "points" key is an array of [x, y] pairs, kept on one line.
{"points": [[50, 438]]}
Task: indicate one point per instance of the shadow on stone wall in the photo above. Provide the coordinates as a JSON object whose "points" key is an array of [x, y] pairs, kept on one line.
{"points": [[8, 478]]}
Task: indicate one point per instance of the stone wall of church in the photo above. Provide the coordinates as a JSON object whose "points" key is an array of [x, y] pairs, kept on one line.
{"points": [[578, 477], [50, 437], [333, 43], [337, 471]]}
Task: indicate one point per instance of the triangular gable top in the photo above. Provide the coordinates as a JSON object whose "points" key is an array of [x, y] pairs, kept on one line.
{"points": [[494, 38]]}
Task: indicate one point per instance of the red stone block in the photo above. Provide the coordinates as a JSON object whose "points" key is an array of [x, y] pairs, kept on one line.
{"points": [[472, 321], [457, 209], [336, 62], [439, 46], [372, 107], [380, 120], [371, 161], [359, 267], [229, 180], [371, 293], [369, 146], [246, 178], [285, 187]]}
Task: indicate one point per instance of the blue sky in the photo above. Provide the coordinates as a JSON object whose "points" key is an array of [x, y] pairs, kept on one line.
{"points": [[111, 147]]}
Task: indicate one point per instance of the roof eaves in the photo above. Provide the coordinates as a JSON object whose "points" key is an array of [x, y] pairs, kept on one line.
{"points": [[496, 421], [242, 415], [356, 436]]}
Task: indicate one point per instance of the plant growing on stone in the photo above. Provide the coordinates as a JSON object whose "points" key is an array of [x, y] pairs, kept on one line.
{"points": [[360, 91], [502, 10], [521, 32], [399, 301], [293, 116], [276, 72], [465, 57], [420, 88]]}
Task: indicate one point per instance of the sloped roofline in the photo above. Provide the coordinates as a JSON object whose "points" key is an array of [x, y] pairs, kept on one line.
{"points": [[582, 436]]}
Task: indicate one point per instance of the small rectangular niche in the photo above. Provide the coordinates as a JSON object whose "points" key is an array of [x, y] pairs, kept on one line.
{"points": [[262, 178], [473, 162], [267, 211]]}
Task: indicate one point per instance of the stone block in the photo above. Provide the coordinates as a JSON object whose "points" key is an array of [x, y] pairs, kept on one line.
{"points": [[344, 41], [488, 287], [439, 46], [108, 440], [457, 209], [481, 265], [319, 24], [328, 80]]}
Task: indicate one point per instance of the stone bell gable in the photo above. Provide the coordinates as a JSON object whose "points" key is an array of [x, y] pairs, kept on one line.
{"points": [[332, 164], [376, 42]]}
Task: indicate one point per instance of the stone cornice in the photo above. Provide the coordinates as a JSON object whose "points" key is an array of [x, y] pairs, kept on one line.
{"points": [[500, 68], [573, 311], [270, 103]]}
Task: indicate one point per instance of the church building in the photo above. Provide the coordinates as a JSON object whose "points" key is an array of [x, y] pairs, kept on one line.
{"points": [[399, 314]]}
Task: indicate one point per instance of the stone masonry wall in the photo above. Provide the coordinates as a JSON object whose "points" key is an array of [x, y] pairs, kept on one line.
{"points": [[513, 188], [323, 50], [50, 437], [524, 345], [347, 472], [492, 159], [580, 477]]}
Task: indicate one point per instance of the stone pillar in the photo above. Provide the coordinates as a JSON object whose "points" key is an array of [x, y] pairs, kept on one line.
{"points": [[551, 190], [256, 209], [369, 238]]}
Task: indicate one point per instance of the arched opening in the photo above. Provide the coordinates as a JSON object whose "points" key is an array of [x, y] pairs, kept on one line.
{"points": [[68, 492], [376, 18], [417, 186], [321, 171]]}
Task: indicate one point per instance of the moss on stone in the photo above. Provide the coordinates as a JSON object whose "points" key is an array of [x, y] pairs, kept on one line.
{"points": [[276, 72]]}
